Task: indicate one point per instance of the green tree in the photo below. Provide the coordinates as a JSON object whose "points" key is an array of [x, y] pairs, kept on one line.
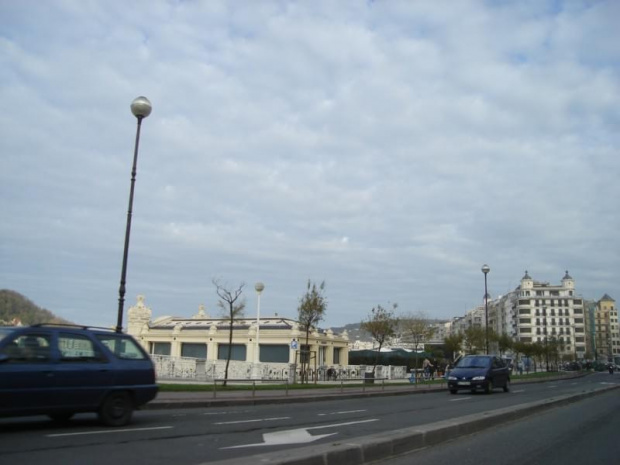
{"points": [[381, 325], [504, 342], [311, 310], [474, 339], [416, 330], [528, 349], [232, 308], [453, 343]]}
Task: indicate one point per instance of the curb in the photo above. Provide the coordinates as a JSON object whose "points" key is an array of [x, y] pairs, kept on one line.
{"points": [[367, 449]]}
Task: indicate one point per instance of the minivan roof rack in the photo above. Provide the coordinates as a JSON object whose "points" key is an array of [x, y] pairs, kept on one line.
{"points": [[71, 325]]}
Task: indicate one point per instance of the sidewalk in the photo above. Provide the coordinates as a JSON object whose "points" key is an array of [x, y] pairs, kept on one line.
{"points": [[170, 400]]}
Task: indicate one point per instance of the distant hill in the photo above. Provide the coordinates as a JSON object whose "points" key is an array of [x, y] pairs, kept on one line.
{"points": [[354, 331], [14, 306]]}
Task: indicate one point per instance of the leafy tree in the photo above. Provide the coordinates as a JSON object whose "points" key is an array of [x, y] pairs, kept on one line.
{"points": [[528, 350], [381, 325], [312, 307], [416, 329], [504, 342], [233, 308], [453, 343], [474, 339]]}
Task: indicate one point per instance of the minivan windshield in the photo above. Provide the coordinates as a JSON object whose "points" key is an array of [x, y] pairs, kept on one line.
{"points": [[474, 362]]}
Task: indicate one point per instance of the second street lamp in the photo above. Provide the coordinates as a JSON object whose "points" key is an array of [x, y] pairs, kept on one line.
{"points": [[141, 108], [485, 270], [259, 287]]}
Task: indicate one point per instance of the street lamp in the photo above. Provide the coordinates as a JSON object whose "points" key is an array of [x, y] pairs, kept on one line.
{"points": [[259, 289], [546, 338], [141, 108], [485, 270]]}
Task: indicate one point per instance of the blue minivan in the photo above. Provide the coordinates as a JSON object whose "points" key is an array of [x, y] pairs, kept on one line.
{"points": [[61, 370], [473, 372]]}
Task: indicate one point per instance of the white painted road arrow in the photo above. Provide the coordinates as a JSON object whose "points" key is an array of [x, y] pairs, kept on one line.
{"points": [[296, 436]]}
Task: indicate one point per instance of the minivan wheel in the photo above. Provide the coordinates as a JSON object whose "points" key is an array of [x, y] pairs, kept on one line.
{"points": [[489, 388], [453, 391], [507, 386], [116, 409]]}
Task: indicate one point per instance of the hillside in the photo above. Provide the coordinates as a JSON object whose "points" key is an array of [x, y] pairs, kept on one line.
{"points": [[13, 306]]}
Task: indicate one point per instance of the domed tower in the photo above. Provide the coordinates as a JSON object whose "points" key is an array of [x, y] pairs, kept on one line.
{"points": [[138, 316], [527, 283], [568, 282]]}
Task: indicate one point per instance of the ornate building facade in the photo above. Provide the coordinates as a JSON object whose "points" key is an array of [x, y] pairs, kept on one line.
{"points": [[206, 339]]}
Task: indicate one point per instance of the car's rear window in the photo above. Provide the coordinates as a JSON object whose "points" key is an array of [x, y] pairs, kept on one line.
{"points": [[122, 346], [4, 332]]}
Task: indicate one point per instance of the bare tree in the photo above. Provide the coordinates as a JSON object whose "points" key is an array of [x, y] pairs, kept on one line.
{"points": [[233, 308], [381, 325], [311, 309], [416, 329]]}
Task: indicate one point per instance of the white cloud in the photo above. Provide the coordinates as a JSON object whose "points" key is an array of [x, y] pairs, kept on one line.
{"points": [[389, 148]]}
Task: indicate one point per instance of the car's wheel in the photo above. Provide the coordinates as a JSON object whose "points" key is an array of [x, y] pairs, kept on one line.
{"points": [[489, 388], [61, 417], [507, 386], [453, 391], [116, 409]]}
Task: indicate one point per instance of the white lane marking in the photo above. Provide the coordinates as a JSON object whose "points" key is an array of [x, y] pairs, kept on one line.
{"points": [[251, 421], [552, 386], [462, 398], [225, 413], [520, 390], [296, 436], [108, 431], [340, 413]]}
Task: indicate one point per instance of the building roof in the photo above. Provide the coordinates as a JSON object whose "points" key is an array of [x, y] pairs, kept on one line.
{"points": [[607, 298]]}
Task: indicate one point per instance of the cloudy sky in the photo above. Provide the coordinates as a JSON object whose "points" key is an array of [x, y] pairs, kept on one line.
{"points": [[390, 148]]}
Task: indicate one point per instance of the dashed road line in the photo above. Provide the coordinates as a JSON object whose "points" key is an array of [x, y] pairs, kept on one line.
{"points": [[341, 413], [257, 420], [108, 431]]}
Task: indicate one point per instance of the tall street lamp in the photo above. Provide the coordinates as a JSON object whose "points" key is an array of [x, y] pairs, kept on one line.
{"points": [[546, 337], [485, 270], [259, 289], [141, 108]]}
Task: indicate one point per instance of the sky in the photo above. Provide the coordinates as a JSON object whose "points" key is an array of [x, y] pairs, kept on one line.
{"points": [[388, 148]]}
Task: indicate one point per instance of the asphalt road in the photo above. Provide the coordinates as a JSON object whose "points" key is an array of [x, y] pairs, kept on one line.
{"points": [[201, 435], [585, 432]]}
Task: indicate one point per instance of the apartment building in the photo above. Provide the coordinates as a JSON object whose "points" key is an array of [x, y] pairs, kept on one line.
{"points": [[604, 334], [538, 311]]}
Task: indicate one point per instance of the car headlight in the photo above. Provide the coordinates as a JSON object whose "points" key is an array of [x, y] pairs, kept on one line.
{"points": [[451, 378], [478, 378]]}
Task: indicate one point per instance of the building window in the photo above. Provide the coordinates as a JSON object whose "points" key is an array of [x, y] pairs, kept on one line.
{"points": [[525, 321], [337, 351], [524, 311], [237, 352], [160, 348], [193, 350], [274, 353]]}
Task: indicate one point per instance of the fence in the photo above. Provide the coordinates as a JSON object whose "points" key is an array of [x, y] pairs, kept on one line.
{"points": [[195, 369]]}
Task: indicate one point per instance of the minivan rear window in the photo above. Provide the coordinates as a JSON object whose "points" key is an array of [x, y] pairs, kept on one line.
{"points": [[122, 346]]}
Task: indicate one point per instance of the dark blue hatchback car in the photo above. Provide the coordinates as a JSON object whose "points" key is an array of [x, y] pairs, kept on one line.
{"points": [[62, 370], [485, 372]]}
